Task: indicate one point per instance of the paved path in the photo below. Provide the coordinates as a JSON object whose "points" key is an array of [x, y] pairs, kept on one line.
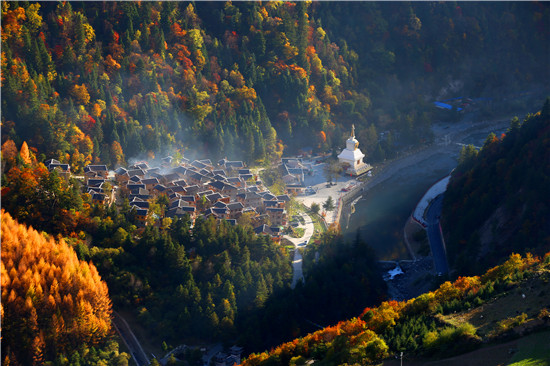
{"points": [[123, 329], [298, 273], [300, 242], [435, 236]]}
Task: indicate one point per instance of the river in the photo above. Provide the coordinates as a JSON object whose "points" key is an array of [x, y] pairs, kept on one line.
{"points": [[384, 209], [381, 214]]}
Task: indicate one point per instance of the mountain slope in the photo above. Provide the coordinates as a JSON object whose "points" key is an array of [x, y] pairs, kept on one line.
{"points": [[497, 201], [108, 82], [427, 326]]}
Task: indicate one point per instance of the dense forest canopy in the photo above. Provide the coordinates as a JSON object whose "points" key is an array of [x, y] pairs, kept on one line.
{"points": [[342, 280], [107, 82], [187, 284]]}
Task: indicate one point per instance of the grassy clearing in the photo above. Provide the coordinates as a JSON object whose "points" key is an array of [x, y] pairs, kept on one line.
{"points": [[533, 350], [487, 316], [297, 232], [318, 222]]}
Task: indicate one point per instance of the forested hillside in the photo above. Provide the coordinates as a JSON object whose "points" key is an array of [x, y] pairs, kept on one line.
{"points": [[182, 283], [497, 201], [53, 305], [403, 48], [424, 327], [88, 82], [199, 277], [341, 281]]}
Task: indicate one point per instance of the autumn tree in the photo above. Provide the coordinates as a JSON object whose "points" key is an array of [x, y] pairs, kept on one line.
{"points": [[24, 153], [52, 302], [9, 153], [80, 93]]}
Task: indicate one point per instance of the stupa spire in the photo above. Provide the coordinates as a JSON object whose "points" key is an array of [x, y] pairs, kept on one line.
{"points": [[352, 131]]}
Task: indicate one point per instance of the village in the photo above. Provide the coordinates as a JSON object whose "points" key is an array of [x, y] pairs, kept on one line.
{"points": [[225, 190]]}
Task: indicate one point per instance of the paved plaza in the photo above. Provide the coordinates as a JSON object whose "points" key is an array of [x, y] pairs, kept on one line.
{"points": [[318, 182]]}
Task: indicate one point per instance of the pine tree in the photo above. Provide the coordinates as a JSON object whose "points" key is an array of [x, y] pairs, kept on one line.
{"points": [[328, 205]]}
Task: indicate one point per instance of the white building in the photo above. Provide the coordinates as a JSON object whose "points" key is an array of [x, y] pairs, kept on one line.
{"points": [[351, 157]]}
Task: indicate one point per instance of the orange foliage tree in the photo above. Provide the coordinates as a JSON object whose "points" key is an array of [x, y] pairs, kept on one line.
{"points": [[25, 154], [80, 92], [51, 302], [9, 151], [384, 316]]}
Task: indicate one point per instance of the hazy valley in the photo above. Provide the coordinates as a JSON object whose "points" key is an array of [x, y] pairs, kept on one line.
{"points": [[275, 183]]}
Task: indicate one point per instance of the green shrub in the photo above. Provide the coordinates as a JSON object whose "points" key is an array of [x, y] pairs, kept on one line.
{"points": [[478, 301], [449, 339], [508, 324]]}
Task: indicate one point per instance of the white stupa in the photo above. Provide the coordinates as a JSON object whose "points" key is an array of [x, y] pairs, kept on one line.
{"points": [[352, 158]]}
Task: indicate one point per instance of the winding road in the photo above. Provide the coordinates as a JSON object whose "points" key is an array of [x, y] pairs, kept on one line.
{"points": [[129, 338], [298, 243]]}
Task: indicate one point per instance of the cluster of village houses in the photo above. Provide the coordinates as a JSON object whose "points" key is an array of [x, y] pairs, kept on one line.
{"points": [[226, 191], [231, 358]]}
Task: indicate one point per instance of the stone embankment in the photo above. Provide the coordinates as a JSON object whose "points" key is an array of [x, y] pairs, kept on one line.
{"points": [[344, 209]]}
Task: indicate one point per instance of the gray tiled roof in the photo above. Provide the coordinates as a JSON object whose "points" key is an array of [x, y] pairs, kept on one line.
{"points": [[134, 172], [235, 206], [95, 168]]}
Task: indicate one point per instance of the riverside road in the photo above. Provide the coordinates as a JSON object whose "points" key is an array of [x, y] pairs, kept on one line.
{"points": [[434, 235]]}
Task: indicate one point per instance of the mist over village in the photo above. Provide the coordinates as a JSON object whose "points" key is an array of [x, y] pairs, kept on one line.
{"points": [[221, 183]]}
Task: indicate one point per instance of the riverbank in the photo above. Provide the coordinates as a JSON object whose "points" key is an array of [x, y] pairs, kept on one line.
{"points": [[383, 172], [391, 183]]}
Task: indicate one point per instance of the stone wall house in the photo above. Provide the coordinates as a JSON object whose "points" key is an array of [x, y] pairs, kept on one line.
{"points": [[277, 216]]}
